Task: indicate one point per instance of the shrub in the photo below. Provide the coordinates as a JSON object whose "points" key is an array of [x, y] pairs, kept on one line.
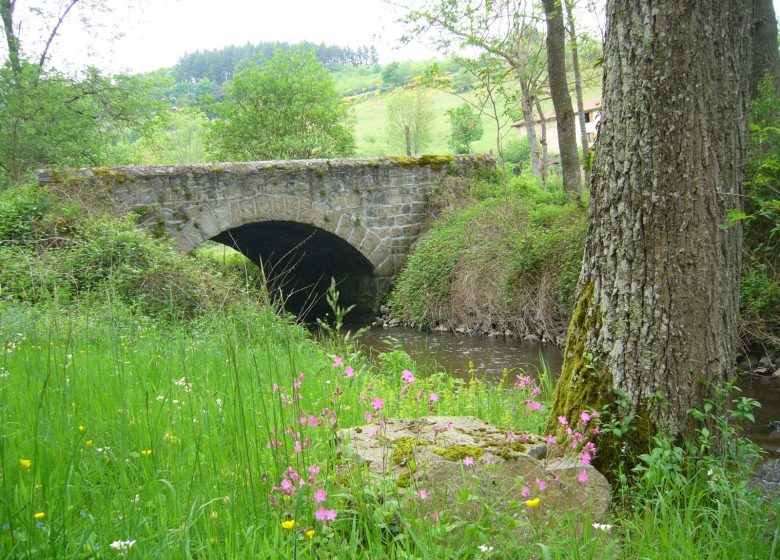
{"points": [[52, 250], [510, 260]]}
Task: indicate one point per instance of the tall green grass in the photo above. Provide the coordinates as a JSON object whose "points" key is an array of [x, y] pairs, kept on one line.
{"points": [[117, 428]]}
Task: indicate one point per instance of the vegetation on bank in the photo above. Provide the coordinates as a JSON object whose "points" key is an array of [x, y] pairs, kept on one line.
{"points": [[154, 406], [503, 254]]}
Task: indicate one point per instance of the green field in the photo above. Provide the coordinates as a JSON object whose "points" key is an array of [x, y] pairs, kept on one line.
{"points": [[371, 124]]}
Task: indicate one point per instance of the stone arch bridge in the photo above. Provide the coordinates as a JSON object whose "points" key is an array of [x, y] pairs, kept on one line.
{"points": [[303, 221]]}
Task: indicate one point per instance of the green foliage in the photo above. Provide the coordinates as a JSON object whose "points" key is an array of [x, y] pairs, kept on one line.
{"points": [[173, 138], [466, 128], [510, 260], [760, 297], [518, 152], [392, 76], [284, 108], [409, 117], [51, 119], [56, 250], [21, 210]]}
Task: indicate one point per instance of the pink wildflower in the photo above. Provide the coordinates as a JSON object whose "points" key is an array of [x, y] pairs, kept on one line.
{"points": [[377, 403], [325, 515], [433, 397], [585, 417], [313, 422], [533, 405], [596, 430], [550, 440], [422, 494], [314, 469], [562, 421], [582, 477], [368, 416], [298, 447], [488, 458], [541, 484], [468, 461], [585, 457], [407, 376], [320, 495], [349, 372], [525, 492], [337, 361]]}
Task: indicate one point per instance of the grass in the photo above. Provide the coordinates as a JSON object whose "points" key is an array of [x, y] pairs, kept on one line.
{"points": [[159, 434], [371, 124], [178, 436]]}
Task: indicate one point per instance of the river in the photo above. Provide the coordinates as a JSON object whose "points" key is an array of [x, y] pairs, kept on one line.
{"points": [[489, 357]]}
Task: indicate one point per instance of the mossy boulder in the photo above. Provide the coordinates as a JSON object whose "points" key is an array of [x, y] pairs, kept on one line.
{"points": [[470, 468]]}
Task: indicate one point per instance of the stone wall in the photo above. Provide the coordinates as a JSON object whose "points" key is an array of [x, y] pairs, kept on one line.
{"points": [[377, 205]]}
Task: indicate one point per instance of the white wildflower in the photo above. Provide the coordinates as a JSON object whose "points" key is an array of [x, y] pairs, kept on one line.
{"points": [[122, 546]]}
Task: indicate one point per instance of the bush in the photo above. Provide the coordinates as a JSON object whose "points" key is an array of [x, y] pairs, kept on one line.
{"points": [[510, 260], [518, 152], [53, 251], [21, 210]]}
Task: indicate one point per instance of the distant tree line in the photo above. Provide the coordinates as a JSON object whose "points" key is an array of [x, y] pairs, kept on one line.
{"points": [[219, 65]]}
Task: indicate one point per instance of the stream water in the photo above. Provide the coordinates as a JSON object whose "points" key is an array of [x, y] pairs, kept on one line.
{"points": [[457, 354]]}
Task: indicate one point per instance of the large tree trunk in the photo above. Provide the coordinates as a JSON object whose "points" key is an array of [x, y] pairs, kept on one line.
{"points": [[658, 296], [575, 64], [559, 91]]}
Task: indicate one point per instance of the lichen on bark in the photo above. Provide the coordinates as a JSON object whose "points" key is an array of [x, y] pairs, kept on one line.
{"points": [[584, 383]]}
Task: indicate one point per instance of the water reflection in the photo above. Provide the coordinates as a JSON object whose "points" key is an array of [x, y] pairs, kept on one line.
{"points": [[489, 357]]}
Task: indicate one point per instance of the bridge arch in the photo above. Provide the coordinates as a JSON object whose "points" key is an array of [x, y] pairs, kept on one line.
{"points": [[368, 210]]}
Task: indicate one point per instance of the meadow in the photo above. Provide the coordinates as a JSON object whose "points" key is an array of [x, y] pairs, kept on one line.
{"points": [[124, 436]]}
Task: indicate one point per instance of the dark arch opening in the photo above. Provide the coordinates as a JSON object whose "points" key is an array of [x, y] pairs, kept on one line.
{"points": [[299, 261]]}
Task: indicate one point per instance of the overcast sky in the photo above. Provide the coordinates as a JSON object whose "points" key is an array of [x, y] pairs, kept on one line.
{"points": [[156, 33], [164, 30]]}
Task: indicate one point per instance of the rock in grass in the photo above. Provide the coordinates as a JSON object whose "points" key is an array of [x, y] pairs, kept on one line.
{"points": [[476, 471]]}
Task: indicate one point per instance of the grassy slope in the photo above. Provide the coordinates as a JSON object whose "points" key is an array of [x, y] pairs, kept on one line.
{"points": [[371, 122]]}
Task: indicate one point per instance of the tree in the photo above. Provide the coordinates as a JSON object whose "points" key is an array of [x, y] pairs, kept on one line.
{"points": [[49, 118], [559, 91], [409, 117], [284, 108], [571, 30], [466, 128], [503, 28], [655, 322], [392, 76]]}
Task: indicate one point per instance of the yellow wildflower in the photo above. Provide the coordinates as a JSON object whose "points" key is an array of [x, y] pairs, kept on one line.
{"points": [[289, 524], [310, 533], [82, 428], [146, 452], [25, 463], [39, 515], [533, 503], [88, 442]]}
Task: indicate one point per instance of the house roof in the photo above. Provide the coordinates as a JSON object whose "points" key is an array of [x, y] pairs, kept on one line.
{"points": [[550, 115]]}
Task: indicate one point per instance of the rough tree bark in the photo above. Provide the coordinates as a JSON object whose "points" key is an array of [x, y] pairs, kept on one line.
{"points": [[575, 65], [658, 294], [559, 91]]}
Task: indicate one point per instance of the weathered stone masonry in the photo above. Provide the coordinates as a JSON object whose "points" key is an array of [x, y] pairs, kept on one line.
{"points": [[377, 205]]}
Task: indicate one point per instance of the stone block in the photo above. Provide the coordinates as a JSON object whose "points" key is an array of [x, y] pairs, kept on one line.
{"points": [[463, 462]]}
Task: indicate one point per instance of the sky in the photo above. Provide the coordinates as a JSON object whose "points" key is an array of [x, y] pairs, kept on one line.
{"points": [[163, 30], [156, 33]]}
